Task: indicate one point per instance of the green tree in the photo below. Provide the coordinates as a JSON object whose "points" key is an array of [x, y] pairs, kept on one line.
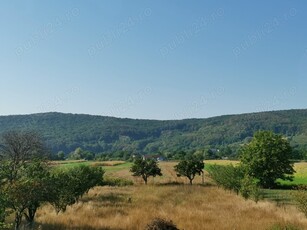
{"points": [[209, 154], [189, 168], [22, 169], [227, 176], [60, 155], [145, 168], [69, 185], [2, 200], [266, 158], [37, 174], [3, 205]]}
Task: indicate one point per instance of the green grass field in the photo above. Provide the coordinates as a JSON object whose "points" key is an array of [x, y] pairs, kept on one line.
{"points": [[300, 176]]}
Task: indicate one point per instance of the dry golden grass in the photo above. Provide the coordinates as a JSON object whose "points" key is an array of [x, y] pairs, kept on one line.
{"points": [[222, 162], [189, 207], [66, 162], [169, 175], [107, 163]]}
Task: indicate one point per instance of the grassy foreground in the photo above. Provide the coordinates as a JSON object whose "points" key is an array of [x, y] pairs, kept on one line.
{"points": [[189, 207]]}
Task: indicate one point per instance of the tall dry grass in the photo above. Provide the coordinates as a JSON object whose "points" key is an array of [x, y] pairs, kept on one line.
{"points": [[189, 207]]}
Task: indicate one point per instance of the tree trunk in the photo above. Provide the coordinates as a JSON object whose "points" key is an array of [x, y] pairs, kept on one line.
{"points": [[203, 178], [145, 179], [18, 218], [30, 216], [191, 181]]}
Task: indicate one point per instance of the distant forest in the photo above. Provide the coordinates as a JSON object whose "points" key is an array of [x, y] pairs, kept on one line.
{"points": [[87, 136]]}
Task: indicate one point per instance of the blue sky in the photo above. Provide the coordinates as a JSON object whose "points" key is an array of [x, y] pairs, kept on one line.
{"points": [[152, 59]]}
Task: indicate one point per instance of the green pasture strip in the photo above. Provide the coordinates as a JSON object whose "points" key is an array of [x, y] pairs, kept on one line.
{"points": [[297, 180], [280, 196]]}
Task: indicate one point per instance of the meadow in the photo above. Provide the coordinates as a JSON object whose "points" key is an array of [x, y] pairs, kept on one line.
{"points": [[170, 197]]}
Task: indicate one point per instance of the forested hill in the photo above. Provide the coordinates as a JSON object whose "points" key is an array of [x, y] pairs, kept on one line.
{"points": [[101, 134]]}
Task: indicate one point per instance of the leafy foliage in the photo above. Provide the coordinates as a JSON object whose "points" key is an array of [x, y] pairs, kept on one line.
{"points": [[70, 184], [23, 172], [227, 176], [190, 168], [3, 205], [250, 189], [120, 138], [300, 197], [26, 181], [267, 158], [233, 178], [145, 168]]}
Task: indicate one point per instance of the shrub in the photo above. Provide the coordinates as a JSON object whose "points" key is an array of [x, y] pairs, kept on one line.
{"points": [[161, 224], [233, 178], [227, 176], [300, 197], [249, 188], [70, 184]]}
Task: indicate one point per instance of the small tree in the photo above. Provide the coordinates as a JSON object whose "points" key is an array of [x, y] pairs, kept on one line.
{"points": [[71, 184], [189, 168], [60, 155], [266, 158], [22, 170], [145, 168]]}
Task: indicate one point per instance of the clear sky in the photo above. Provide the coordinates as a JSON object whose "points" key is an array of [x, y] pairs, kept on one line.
{"points": [[152, 59]]}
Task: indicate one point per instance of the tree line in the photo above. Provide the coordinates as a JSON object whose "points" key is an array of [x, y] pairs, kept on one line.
{"points": [[111, 138]]}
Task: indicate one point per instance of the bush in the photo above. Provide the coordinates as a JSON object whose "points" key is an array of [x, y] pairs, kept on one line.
{"points": [[249, 188], [300, 197], [70, 184], [227, 176], [233, 178], [161, 224]]}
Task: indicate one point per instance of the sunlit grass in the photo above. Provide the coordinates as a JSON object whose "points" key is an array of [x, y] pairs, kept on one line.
{"points": [[189, 207], [169, 197]]}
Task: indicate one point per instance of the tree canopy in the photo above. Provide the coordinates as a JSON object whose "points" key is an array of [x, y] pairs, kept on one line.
{"points": [[145, 168], [190, 168], [26, 180], [267, 158], [108, 136]]}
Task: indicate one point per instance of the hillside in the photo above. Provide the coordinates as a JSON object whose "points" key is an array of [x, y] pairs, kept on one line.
{"points": [[101, 134]]}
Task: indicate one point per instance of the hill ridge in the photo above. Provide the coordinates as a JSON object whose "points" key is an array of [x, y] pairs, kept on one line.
{"points": [[105, 134]]}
